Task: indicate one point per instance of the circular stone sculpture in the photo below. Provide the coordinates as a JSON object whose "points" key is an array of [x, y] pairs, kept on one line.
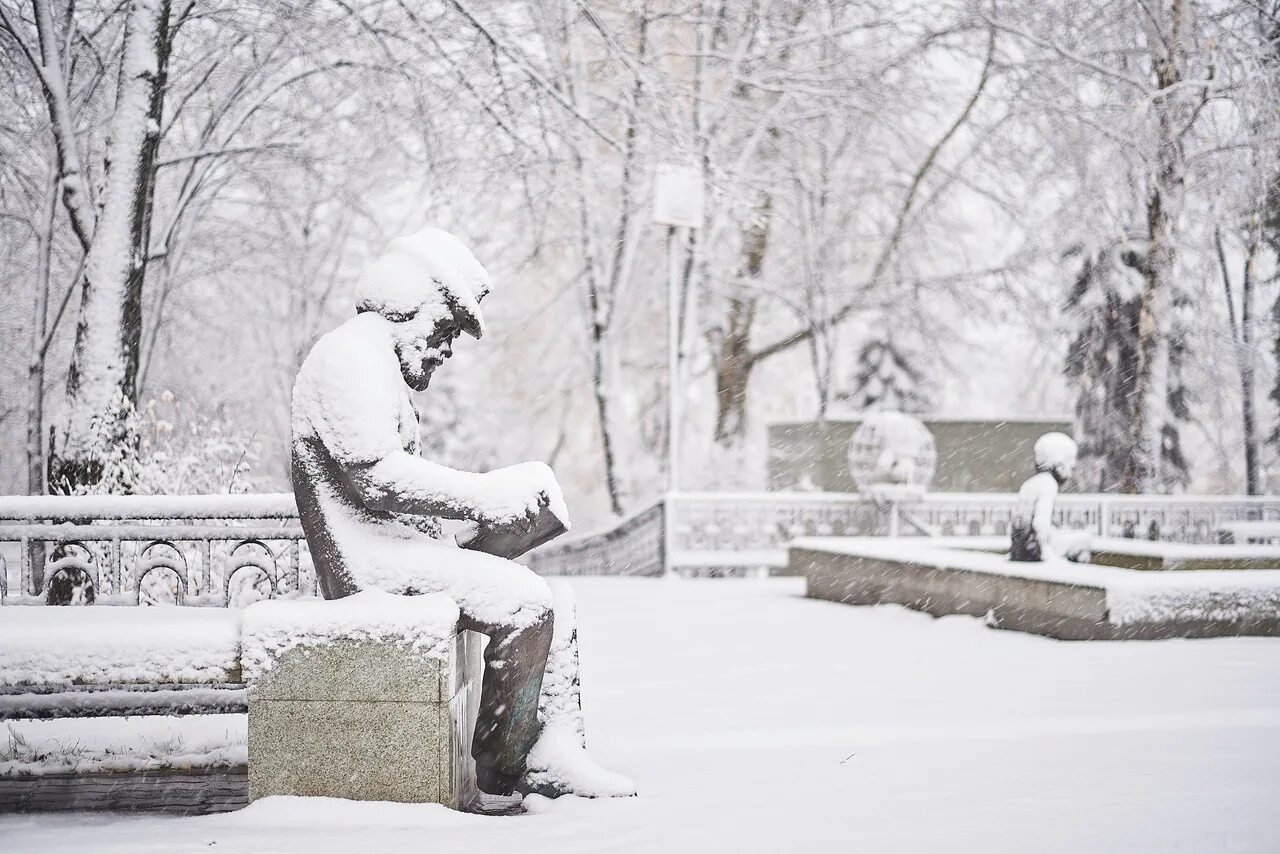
{"points": [[892, 454]]}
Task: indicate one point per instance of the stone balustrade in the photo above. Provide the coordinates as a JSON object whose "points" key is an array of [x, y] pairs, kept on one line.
{"points": [[186, 549], [726, 533], [216, 550]]}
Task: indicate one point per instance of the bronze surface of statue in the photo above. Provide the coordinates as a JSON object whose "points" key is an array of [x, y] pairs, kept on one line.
{"points": [[371, 506]]}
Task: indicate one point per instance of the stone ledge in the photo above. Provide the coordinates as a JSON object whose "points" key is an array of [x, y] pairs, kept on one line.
{"points": [[1077, 602]]}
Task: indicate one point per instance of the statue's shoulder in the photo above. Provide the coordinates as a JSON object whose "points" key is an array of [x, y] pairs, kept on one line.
{"points": [[1039, 485], [355, 356], [362, 342]]}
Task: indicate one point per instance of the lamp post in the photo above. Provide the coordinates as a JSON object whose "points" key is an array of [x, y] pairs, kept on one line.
{"points": [[677, 203]]}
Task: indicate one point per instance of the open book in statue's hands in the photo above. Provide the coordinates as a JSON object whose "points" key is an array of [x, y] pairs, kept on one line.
{"points": [[510, 540], [513, 541]]}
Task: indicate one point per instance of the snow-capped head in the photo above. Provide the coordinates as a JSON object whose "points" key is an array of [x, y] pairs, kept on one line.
{"points": [[1056, 452], [429, 286], [430, 269]]}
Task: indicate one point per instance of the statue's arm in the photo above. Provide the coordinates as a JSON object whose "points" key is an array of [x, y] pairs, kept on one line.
{"points": [[1042, 518], [351, 401], [405, 483]]}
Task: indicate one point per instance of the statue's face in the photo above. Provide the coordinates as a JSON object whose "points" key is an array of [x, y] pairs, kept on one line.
{"points": [[422, 344]]}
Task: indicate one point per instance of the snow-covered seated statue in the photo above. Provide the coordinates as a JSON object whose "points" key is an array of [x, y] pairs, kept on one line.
{"points": [[1034, 538], [370, 506]]}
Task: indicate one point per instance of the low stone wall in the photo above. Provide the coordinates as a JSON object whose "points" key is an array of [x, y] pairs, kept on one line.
{"points": [[1157, 556], [1030, 598]]}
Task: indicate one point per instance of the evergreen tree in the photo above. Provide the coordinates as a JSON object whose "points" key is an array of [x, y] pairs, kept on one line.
{"points": [[1102, 365], [885, 378]]}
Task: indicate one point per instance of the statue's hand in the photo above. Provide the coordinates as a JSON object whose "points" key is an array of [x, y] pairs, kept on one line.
{"points": [[519, 517]]}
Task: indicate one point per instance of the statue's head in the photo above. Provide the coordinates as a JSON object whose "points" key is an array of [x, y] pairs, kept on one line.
{"points": [[429, 286], [1056, 454]]}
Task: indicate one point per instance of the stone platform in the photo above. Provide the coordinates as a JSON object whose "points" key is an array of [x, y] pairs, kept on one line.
{"points": [[348, 710], [1059, 599], [367, 722], [1160, 556]]}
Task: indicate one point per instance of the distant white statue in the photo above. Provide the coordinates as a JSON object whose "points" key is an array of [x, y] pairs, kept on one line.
{"points": [[1034, 538]]}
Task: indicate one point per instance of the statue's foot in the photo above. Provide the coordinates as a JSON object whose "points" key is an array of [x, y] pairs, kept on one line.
{"points": [[491, 781], [560, 765]]}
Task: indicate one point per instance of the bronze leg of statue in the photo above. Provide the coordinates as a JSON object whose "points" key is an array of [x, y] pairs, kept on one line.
{"points": [[1024, 544], [507, 724]]}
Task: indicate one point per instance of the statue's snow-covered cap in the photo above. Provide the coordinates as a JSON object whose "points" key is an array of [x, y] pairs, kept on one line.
{"points": [[429, 267], [1055, 449]]}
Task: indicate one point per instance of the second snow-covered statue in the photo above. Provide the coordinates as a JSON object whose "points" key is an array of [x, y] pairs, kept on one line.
{"points": [[370, 506], [1033, 535]]}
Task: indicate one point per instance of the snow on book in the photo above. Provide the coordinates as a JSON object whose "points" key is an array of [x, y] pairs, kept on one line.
{"points": [[512, 544]]}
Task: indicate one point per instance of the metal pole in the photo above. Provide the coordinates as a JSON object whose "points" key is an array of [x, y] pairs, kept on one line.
{"points": [[673, 400], [673, 361]]}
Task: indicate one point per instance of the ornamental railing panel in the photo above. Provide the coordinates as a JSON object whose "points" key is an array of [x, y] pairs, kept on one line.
{"points": [[210, 550], [1172, 518]]}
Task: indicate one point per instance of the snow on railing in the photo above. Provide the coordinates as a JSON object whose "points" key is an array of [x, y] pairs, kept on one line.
{"points": [[218, 549], [633, 546], [714, 533], [185, 549]]}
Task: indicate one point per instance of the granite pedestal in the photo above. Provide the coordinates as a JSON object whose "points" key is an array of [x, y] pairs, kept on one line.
{"points": [[367, 720]]}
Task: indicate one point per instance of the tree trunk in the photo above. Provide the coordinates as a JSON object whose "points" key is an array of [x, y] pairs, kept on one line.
{"points": [[734, 359], [1142, 471], [35, 371], [733, 372], [98, 436], [1252, 467], [144, 205]]}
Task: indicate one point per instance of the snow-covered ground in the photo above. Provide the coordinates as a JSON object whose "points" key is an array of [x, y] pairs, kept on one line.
{"points": [[755, 720]]}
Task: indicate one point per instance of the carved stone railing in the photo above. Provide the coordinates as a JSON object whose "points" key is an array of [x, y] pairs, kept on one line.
{"points": [[736, 533], [1170, 518], [189, 549], [205, 547], [634, 546]]}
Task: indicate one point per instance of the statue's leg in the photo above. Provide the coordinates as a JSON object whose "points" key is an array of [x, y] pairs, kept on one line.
{"points": [[1024, 546], [507, 724], [561, 700], [559, 763]]}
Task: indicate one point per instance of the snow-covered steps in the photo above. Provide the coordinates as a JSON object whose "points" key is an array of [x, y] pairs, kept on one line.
{"points": [[1057, 599], [94, 701], [370, 697], [156, 763], [116, 661], [42, 646]]}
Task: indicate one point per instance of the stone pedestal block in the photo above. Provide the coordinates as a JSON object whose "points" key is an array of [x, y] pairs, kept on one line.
{"points": [[367, 720]]}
